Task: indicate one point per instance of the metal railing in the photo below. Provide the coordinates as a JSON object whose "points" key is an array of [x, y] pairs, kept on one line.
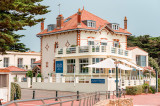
{"points": [[92, 49], [86, 99]]}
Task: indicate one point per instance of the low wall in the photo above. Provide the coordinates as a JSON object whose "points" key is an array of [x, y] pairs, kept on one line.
{"points": [[115, 102], [82, 87], [23, 84]]}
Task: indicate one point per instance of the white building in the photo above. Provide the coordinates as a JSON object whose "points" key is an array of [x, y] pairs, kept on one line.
{"points": [[83, 39], [22, 60]]}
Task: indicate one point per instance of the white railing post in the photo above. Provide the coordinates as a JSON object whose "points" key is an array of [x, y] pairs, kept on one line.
{"points": [[33, 79], [64, 51], [38, 79], [28, 82]]}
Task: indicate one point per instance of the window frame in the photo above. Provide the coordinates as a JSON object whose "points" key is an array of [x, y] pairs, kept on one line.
{"points": [[86, 69], [5, 64], [68, 64], [20, 65]]}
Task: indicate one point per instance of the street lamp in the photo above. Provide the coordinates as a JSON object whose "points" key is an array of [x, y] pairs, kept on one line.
{"points": [[117, 63], [156, 80]]}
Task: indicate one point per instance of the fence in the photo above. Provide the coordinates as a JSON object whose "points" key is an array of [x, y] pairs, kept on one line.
{"points": [[86, 99], [82, 84]]}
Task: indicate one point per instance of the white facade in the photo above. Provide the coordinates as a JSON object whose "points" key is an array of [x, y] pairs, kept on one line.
{"points": [[14, 56], [85, 42]]}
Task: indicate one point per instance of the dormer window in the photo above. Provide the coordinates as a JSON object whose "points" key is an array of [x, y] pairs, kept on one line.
{"points": [[114, 26], [90, 23], [51, 27]]}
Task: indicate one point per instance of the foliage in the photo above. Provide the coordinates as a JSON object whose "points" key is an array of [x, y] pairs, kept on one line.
{"points": [[39, 75], [153, 63], [29, 74], [14, 16], [150, 45], [153, 89], [15, 89], [134, 90]]}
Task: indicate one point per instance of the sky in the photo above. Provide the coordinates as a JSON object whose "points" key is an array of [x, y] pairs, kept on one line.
{"points": [[143, 16]]}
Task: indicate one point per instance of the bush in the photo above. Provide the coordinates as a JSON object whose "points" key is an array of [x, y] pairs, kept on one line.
{"points": [[145, 88], [134, 90], [39, 75], [15, 89], [153, 89]]}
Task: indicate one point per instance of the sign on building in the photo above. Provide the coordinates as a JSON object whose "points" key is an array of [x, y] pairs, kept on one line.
{"points": [[100, 81], [59, 66]]}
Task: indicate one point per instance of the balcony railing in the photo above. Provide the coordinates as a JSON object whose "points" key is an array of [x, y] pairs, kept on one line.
{"points": [[91, 50]]}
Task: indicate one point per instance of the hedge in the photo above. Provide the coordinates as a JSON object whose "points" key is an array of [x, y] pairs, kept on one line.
{"points": [[15, 89], [134, 90]]}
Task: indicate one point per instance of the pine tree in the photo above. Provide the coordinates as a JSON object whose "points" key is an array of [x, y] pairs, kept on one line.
{"points": [[14, 16]]}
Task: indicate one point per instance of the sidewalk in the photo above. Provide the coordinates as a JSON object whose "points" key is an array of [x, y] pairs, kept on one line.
{"points": [[146, 99]]}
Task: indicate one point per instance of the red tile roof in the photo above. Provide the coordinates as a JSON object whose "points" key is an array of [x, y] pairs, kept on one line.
{"points": [[13, 68], [4, 70], [39, 61], [72, 23], [131, 48]]}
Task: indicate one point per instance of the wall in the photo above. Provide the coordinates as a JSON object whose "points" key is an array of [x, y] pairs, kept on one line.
{"points": [[102, 34], [139, 51], [13, 58], [48, 54]]}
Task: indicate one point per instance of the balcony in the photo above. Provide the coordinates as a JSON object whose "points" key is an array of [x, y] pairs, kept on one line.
{"points": [[92, 50]]}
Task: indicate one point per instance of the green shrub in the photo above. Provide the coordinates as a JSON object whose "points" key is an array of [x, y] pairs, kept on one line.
{"points": [[134, 90], [153, 89], [15, 89], [39, 75], [145, 87]]}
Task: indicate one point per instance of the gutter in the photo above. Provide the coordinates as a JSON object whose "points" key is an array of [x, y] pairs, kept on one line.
{"points": [[39, 35]]}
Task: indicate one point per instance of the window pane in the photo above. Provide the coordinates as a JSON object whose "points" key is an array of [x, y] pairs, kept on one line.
{"points": [[70, 65]]}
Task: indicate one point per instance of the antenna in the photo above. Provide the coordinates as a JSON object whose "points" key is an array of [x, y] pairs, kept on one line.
{"points": [[59, 8]]}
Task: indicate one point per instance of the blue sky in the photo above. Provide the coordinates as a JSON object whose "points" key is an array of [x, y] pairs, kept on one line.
{"points": [[143, 16]]}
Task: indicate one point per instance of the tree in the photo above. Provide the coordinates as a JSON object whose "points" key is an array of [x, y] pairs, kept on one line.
{"points": [[14, 16]]}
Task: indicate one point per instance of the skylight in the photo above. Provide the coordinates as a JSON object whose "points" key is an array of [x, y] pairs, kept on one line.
{"points": [[67, 20]]}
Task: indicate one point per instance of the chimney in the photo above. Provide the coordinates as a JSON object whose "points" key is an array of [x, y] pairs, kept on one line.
{"points": [[60, 20], [42, 25], [125, 22], [79, 13]]}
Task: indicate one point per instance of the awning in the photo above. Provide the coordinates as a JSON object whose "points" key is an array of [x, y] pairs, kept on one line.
{"points": [[108, 63]]}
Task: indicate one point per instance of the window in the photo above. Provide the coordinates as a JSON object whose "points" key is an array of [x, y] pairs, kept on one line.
{"points": [[115, 26], [83, 62], [91, 23], [20, 62], [116, 44], [104, 43], [3, 80], [32, 61], [6, 62], [141, 60], [70, 65], [90, 42], [97, 70]]}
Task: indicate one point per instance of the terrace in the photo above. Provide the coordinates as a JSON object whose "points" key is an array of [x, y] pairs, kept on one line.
{"points": [[92, 50]]}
